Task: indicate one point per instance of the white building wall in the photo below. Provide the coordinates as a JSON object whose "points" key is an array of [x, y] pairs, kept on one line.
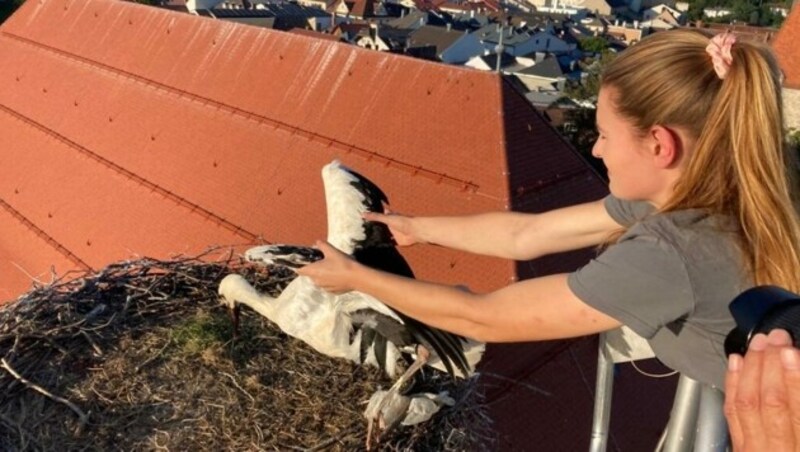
{"points": [[193, 5], [791, 107], [462, 50], [477, 63], [716, 12], [538, 83]]}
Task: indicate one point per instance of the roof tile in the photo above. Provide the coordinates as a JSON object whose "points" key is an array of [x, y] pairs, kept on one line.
{"points": [[129, 144]]}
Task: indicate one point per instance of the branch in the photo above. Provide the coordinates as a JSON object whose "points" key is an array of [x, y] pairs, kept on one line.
{"points": [[81, 415]]}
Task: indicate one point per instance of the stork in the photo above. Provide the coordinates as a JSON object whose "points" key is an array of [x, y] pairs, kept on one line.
{"points": [[354, 325]]}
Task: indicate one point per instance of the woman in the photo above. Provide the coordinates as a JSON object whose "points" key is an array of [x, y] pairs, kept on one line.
{"points": [[700, 209]]}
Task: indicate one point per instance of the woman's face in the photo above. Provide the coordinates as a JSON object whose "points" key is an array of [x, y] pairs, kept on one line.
{"points": [[624, 152]]}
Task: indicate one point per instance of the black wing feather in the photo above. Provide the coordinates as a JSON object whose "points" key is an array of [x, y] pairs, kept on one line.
{"points": [[377, 234], [380, 351], [367, 339]]}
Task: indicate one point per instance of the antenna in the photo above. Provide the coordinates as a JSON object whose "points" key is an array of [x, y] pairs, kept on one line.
{"points": [[499, 48]]}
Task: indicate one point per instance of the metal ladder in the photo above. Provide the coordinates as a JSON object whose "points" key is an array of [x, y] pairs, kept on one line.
{"points": [[696, 421]]}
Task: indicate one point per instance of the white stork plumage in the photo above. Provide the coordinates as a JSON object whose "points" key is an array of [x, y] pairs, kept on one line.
{"points": [[354, 325]]}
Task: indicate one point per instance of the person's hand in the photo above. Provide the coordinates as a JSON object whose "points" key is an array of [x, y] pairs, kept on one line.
{"points": [[762, 395], [334, 272], [399, 226]]}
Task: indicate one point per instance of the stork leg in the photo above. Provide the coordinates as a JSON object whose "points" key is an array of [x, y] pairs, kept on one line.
{"points": [[234, 314], [422, 358]]}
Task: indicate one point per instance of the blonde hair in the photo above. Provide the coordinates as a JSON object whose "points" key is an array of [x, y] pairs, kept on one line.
{"points": [[739, 165]]}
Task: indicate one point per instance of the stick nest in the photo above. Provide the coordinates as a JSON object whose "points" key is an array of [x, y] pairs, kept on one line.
{"points": [[140, 356]]}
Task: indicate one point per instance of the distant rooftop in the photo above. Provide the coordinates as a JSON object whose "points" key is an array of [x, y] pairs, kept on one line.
{"points": [[268, 10], [787, 47], [547, 68]]}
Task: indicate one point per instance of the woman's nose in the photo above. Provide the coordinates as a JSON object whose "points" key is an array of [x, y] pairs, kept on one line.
{"points": [[596, 151]]}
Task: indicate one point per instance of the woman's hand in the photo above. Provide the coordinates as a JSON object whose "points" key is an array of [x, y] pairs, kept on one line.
{"points": [[399, 225], [762, 395], [334, 272]]}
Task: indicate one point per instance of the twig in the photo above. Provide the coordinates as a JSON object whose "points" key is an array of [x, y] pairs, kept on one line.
{"points": [[150, 359], [94, 345], [252, 399], [330, 441], [81, 415]]}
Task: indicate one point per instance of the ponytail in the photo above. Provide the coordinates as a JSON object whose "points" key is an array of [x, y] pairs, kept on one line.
{"points": [[739, 166]]}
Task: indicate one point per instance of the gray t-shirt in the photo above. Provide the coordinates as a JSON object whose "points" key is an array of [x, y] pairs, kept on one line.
{"points": [[670, 278]]}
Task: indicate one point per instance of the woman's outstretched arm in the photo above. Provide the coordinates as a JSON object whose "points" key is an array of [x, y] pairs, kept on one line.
{"points": [[510, 235], [534, 309]]}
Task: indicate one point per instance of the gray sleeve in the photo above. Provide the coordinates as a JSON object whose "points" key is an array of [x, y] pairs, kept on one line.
{"points": [[627, 213], [641, 281]]}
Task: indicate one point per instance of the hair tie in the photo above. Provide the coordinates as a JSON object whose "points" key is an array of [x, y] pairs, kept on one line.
{"points": [[720, 50]]}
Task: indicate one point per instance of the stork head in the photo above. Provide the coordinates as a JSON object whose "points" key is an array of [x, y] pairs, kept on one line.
{"points": [[229, 288]]}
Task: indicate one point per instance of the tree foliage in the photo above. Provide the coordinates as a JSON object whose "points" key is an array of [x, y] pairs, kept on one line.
{"points": [[594, 44], [752, 12], [579, 129], [793, 140], [589, 86]]}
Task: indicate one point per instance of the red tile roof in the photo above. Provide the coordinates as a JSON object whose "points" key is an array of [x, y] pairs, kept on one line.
{"points": [[139, 131], [363, 8], [491, 5], [787, 48]]}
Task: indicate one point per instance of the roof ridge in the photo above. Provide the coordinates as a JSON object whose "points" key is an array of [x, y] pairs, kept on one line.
{"points": [[180, 200], [45, 236]]}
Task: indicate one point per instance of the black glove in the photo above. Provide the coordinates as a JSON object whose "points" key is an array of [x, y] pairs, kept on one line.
{"points": [[761, 310]]}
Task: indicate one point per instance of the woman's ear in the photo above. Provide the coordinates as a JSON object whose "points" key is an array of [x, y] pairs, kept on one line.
{"points": [[666, 146]]}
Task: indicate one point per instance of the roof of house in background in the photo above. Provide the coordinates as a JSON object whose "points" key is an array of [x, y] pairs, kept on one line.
{"points": [[531, 19], [762, 34], [314, 34], [413, 19], [547, 68], [362, 8], [136, 131], [787, 48], [349, 30], [267, 10], [460, 7], [490, 60], [440, 37], [489, 5], [490, 34]]}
